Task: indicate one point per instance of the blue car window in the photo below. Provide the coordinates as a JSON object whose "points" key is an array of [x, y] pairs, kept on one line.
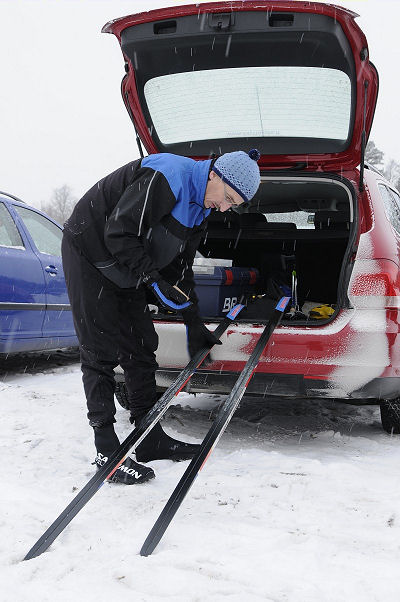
{"points": [[46, 235], [9, 235]]}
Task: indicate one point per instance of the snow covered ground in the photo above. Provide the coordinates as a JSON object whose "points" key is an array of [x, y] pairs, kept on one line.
{"points": [[300, 501]]}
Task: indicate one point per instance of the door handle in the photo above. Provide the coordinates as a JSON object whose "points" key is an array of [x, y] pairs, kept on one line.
{"points": [[51, 269]]}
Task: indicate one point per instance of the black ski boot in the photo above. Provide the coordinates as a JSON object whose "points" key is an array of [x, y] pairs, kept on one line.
{"points": [[129, 472], [160, 446]]}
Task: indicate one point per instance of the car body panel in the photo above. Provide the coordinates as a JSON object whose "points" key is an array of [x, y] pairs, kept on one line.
{"points": [[313, 353], [58, 319], [338, 26], [20, 289], [34, 307]]}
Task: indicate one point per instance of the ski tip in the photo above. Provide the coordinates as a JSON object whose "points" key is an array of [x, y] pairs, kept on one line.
{"points": [[282, 303]]}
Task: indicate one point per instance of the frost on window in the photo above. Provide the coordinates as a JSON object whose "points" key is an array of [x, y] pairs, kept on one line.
{"points": [[295, 102], [391, 202], [46, 235], [9, 235]]}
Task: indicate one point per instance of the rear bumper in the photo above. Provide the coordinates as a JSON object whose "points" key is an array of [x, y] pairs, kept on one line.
{"points": [[355, 356], [281, 385]]}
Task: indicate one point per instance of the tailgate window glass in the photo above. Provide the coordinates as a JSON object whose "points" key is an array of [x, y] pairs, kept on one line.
{"points": [[46, 235], [268, 102], [9, 235]]}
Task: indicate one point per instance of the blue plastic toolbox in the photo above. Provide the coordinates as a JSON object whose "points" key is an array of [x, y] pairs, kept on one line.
{"points": [[221, 288]]}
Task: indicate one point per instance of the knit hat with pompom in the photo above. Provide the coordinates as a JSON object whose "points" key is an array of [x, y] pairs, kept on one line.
{"points": [[240, 171]]}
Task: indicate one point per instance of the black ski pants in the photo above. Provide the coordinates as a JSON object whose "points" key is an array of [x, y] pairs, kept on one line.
{"points": [[113, 326]]}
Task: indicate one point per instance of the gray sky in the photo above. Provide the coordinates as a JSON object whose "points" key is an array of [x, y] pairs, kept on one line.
{"points": [[62, 116]]}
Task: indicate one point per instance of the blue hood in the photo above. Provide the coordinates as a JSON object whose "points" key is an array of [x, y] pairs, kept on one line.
{"points": [[187, 179]]}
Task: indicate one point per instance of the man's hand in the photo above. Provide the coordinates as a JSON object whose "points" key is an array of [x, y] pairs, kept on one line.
{"points": [[170, 297], [198, 336]]}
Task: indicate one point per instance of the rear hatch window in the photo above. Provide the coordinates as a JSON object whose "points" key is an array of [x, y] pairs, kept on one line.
{"points": [[296, 102]]}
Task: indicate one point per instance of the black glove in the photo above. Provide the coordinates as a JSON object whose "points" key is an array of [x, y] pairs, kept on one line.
{"points": [[198, 336], [169, 296]]}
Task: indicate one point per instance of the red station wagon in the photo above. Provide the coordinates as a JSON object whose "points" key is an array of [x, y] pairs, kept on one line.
{"points": [[294, 80]]}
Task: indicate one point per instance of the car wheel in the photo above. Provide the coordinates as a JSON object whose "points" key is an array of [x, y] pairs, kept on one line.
{"points": [[390, 415], [121, 394]]}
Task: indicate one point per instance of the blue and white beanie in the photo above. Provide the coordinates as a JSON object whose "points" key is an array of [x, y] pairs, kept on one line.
{"points": [[240, 171]]}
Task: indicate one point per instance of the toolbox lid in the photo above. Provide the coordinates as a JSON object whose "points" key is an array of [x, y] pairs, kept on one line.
{"points": [[216, 275]]}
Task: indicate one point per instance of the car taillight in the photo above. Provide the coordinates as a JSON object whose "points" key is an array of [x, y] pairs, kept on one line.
{"points": [[375, 283]]}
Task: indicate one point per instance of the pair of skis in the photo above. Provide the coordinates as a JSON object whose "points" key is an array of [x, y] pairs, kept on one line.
{"points": [[149, 421]]}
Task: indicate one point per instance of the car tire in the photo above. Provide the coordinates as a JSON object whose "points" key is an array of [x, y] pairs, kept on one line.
{"points": [[390, 415]]}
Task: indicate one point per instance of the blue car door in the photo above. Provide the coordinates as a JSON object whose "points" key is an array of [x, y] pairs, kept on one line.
{"points": [[47, 236], [22, 286]]}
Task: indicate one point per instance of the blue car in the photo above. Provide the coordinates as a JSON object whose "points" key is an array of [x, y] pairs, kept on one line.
{"points": [[35, 313]]}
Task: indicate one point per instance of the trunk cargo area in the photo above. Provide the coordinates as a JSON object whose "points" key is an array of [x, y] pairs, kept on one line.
{"points": [[302, 224]]}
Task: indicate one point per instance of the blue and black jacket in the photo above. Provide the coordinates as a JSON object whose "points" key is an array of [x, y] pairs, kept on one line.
{"points": [[146, 217]]}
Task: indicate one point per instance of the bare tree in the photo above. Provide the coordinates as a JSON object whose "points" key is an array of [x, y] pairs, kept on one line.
{"points": [[374, 156], [61, 204]]}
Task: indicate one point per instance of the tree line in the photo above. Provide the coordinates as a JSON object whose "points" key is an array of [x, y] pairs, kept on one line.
{"points": [[61, 204], [63, 201], [390, 169]]}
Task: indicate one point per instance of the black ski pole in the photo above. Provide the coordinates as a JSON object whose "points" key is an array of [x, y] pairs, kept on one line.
{"points": [[224, 415], [132, 440]]}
